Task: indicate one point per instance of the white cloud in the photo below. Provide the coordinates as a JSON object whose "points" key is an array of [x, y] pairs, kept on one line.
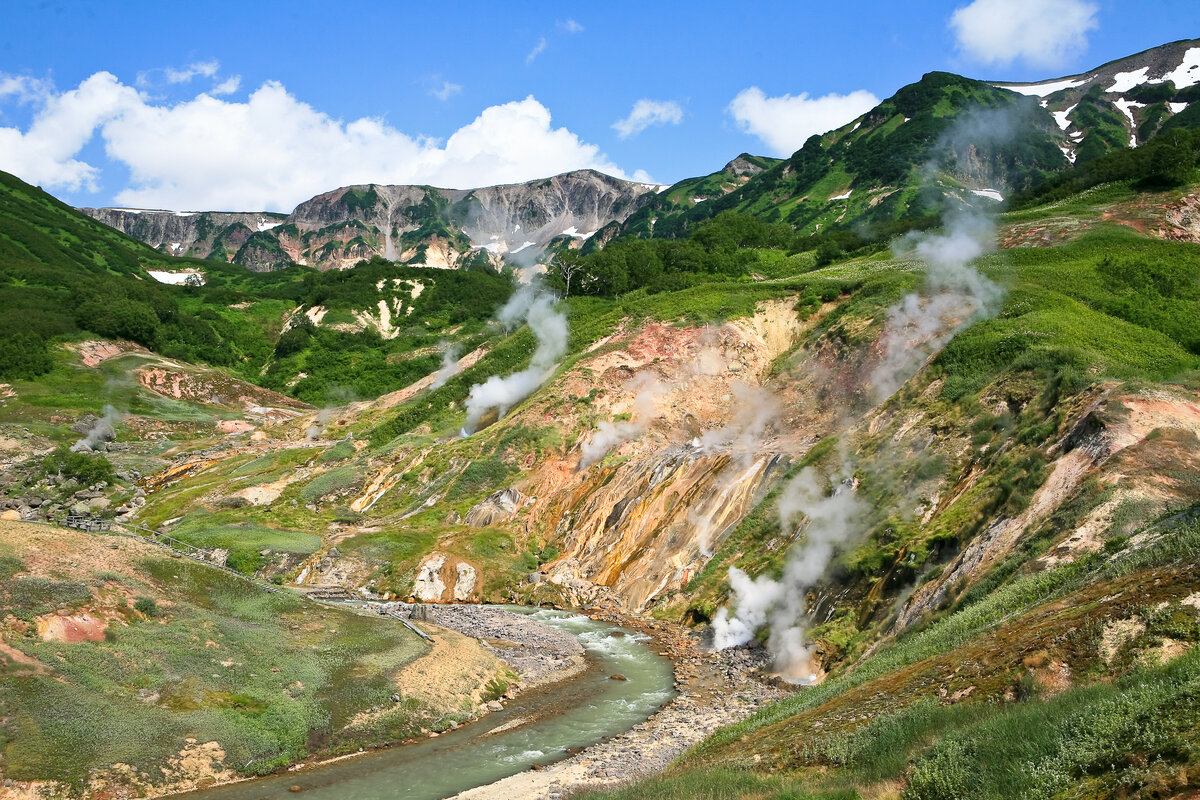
{"points": [[272, 151], [536, 51], [45, 154], [1042, 33], [570, 26], [228, 86], [446, 90], [25, 88], [646, 113], [206, 69], [785, 123]]}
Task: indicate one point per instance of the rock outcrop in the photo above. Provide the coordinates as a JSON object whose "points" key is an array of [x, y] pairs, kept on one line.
{"points": [[416, 225]]}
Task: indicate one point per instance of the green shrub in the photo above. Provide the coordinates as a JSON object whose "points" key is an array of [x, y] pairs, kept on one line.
{"points": [[147, 606], [87, 468]]}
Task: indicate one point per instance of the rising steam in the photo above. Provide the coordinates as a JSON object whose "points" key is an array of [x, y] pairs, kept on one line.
{"points": [[535, 306], [829, 519], [611, 434], [954, 295], [756, 413], [102, 430], [449, 366]]}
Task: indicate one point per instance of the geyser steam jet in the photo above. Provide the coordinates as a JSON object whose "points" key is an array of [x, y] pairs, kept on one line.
{"points": [[536, 306], [102, 430], [953, 296], [449, 366], [830, 520]]}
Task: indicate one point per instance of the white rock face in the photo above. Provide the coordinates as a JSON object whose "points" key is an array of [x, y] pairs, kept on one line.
{"points": [[428, 585], [466, 581]]}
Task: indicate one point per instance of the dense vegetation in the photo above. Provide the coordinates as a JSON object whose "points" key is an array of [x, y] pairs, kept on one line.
{"points": [[874, 169]]}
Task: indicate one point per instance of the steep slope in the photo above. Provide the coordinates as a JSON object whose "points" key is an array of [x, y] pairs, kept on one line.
{"points": [[879, 166], [196, 234], [415, 225], [63, 275], [905, 157], [1122, 103]]}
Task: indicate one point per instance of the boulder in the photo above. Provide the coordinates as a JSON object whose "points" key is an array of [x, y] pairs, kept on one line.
{"points": [[497, 508]]}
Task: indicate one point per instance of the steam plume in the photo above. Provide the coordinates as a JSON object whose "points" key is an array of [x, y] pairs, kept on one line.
{"points": [[830, 520], [611, 434], [756, 411], [449, 366], [534, 305], [102, 430], [954, 296]]}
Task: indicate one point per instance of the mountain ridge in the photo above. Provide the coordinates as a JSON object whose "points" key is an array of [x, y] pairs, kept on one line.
{"points": [[400, 222]]}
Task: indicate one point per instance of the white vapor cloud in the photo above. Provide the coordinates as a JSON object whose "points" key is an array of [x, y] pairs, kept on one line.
{"points": [[536, 51], [446, 90], [205, 69], [270, 151], [785, 123], [534, 305], [648, 112], [228, 86], [570, 26], [1042, 33]]}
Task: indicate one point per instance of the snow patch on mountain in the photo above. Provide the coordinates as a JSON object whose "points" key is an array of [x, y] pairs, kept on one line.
{"points": [[1043, 89], [1124, 81], [1188, 71], [1061, 117]]}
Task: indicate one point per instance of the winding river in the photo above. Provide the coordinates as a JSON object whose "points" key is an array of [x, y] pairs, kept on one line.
{"points": [[575, 714]]}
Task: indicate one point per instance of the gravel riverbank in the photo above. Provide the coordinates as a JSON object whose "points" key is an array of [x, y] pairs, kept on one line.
{"points": [[538, 652], [715, 689]]}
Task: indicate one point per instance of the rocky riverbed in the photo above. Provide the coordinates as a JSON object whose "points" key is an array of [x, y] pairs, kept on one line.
{"points": [[538, 652], [715, 689]]}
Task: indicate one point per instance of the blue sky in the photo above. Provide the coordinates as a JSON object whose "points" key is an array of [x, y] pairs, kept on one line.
{"points": [[260, 105]]}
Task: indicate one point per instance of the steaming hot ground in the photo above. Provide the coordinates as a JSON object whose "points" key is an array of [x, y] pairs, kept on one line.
{"points": [[945, 473]]}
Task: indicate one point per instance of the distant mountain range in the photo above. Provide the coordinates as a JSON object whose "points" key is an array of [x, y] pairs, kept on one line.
{"points": [[945, 138]]}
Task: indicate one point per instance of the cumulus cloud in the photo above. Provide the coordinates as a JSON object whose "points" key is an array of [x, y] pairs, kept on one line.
{"points": [[784, 123], [45, 153], [270, 151], [570, 26], [536, 51], [228, 86], [1041, 33], [646, 113], [24, 88]]}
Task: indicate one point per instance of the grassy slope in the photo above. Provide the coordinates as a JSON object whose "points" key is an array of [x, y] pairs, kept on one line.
{"points": [[881, 157], [269, 677], [1108, 304]]}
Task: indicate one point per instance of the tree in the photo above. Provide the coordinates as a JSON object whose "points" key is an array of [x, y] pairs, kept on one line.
{"points": [[567, 264]]}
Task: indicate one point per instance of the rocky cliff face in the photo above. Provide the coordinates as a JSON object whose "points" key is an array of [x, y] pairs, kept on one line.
{"points": [[195, 234], [417, 225]]}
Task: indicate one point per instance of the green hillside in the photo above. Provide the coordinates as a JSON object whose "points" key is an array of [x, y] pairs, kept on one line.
{"points": [[875, 168]]}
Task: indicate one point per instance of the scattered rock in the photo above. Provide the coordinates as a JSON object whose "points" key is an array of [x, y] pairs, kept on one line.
{"points": [[497, 508]]}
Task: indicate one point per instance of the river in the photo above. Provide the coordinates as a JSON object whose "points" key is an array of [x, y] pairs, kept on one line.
{"points": [[575, 714]]}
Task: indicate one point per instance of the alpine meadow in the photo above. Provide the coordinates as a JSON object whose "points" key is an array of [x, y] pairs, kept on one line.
{"points": [[462, 462]]}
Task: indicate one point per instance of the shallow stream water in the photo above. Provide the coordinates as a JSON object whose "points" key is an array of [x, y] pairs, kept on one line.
{"points": [[575, 714]]}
